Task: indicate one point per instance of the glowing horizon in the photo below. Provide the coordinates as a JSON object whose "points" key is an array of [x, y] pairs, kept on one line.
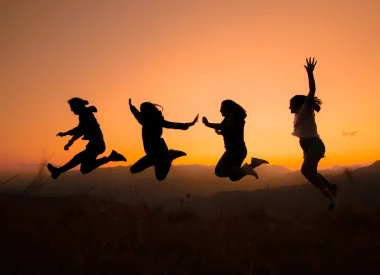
{"points": [[189, 58]]}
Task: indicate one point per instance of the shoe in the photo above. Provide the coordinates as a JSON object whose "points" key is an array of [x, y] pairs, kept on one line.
{"points": [[115, 156], [255, 162], [174, 154], [248, 170], [54, 171]]}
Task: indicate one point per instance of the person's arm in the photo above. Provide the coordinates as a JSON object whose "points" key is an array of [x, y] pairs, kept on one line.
{"points": [[73, 132], [178, 125], [72, 140], [175, 125], [215, 126], [310, 65], [136, 113]]}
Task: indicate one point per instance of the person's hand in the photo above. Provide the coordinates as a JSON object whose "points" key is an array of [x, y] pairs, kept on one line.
{"points": [[60, 134], [310, 64], [194, 121], [204, 120], [130, 102], [68, 145]]}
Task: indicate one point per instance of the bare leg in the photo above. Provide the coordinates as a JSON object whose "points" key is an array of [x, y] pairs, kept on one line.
{"points": [[75, 161], [142, 164], [309, 170]]}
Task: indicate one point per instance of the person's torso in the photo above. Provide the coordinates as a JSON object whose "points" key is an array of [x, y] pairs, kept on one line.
{"points": [[304, 123], [90, 126], [233, 133]]}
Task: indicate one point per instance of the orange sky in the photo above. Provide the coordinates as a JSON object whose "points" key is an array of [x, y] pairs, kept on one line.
{"points": [[189, 56]]}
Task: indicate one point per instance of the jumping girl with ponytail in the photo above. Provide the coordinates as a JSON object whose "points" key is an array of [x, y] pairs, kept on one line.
{"points": [[157, 152], [89, 128], [305, 129]]}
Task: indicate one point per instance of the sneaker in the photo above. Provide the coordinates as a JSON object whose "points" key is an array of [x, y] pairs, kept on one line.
{"points": [[54, 171], [248, 170], [255, 162], [174, 154], [115, 156]]}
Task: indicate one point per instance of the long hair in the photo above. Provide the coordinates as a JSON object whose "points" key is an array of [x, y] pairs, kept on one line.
{"points": [[234, 109], [299, 100], [150, 111]]}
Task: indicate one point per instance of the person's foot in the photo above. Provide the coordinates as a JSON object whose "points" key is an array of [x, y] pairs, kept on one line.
{"points": [[115, 156], [174, 154], [54, 171], [255, 162], [248, 170]]}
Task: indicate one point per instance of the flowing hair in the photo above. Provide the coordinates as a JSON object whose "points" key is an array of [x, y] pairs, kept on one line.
{"points": [[150, 111], [299, 100], [233, 108]]}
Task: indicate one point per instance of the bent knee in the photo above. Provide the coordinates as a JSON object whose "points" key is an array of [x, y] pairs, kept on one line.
{"points": [[133, 170], [234, 179], [160, 177], [85, 170], [220, 172]]}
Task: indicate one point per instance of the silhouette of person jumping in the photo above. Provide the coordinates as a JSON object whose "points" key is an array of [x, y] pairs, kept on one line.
{"points": [[305, 129], [232, 130], [89, 128], [157, 152]]}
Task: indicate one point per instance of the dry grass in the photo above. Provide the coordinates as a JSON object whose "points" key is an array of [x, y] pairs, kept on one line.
{"points": [[83, 235]]}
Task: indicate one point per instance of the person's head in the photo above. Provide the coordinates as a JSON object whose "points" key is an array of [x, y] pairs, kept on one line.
{"points": [[150, 110], [231, 108], [297, 101], [77, 104]]}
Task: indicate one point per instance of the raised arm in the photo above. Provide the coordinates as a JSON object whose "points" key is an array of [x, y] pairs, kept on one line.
{"points": [[178, 125], [135, 112], [310, 65]]}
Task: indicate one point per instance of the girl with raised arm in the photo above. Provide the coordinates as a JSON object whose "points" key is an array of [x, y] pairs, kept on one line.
{"points": [[232, 130], [305, 129], [89, 128], [157, 152]]}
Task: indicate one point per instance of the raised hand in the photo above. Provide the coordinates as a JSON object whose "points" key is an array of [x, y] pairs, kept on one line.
{"points": [[310, 64], [60, 134], [204, 120], [130, 102], [194, 121]]}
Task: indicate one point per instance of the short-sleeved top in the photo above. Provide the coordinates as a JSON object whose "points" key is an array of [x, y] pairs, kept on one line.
{"points": [[304, 123]]}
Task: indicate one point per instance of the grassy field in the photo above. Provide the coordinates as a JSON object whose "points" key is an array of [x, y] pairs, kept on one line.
{"points": [[84, 235]]}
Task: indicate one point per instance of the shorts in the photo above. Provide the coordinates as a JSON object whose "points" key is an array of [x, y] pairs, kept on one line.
{"points": [[313, 145], [94, 148]]}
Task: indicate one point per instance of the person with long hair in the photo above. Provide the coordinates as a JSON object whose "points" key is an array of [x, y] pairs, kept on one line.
{"points": [[89, 128], [157, 152], [305, 128], [232, 130]]}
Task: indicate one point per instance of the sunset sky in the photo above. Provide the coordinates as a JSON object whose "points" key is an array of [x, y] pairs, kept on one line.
{"points": [[188, 56]]}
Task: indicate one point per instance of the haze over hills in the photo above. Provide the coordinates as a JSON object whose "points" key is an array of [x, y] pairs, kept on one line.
{"points": [[281, 190]]}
